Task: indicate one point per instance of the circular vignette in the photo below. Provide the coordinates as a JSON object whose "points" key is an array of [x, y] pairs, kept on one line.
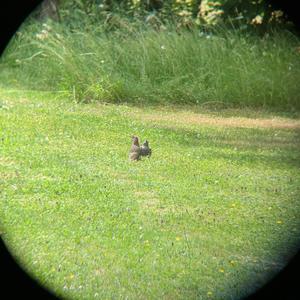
{"points": [[283, 283], [15, 282]]}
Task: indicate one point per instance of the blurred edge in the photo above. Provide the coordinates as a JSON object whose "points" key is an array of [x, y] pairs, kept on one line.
{"points": [[16, 282], [12, 15], [285, 285]]}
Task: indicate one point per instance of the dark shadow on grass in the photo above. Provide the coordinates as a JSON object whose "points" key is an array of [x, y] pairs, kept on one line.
{"points": [[218, 109], [247, 144]]}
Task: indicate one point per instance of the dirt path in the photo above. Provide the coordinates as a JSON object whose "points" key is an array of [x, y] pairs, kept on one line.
{"points": [[181, 118]]}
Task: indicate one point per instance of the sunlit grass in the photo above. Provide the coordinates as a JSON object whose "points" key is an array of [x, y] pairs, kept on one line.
{"points": [[212, 214]]}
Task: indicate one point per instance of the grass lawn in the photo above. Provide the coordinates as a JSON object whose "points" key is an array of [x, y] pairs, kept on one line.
{"points": [[213, 214]]}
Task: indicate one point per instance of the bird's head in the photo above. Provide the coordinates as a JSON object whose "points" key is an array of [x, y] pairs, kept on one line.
{"points": [[135, 140]]}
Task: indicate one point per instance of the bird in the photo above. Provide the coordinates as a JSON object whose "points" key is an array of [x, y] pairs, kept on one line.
{"points": [[145, 150], [135, 150]]}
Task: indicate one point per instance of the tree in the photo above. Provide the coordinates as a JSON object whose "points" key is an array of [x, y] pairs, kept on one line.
{"points": [[49, 9]]}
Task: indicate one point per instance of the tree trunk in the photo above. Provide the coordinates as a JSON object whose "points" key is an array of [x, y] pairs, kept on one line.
{"points": [[49, 9]]}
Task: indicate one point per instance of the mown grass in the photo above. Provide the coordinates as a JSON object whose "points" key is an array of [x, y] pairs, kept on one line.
{"points": [[141, 65], [213, 214]]}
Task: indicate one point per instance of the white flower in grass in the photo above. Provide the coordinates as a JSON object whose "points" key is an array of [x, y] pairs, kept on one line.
{"points": [[47, 26], [42, 36], [162, 47], [257, 20], [184, 13]]}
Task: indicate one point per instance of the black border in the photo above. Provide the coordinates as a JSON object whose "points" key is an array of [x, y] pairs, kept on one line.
{"points": [[15, 282]]}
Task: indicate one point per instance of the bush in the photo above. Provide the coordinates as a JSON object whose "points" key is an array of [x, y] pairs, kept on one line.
{"points": [[129, 61]]}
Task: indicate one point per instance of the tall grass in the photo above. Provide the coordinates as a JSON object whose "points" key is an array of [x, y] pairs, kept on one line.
{"points": [[147, 66]]}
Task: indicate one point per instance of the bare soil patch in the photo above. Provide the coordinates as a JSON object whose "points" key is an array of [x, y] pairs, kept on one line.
{"points": [[182, 118]]}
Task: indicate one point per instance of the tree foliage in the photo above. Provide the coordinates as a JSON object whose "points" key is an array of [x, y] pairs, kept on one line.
{"points": [[244, 14]]}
